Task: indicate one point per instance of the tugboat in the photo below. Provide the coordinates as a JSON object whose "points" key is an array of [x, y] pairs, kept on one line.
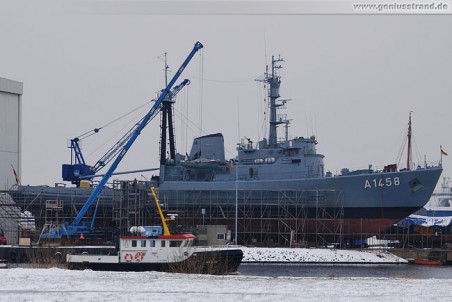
{"points": [[153, 248]]}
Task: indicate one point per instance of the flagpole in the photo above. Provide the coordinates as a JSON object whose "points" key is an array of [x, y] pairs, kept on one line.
{"points": [[441, 155], [15, 175]]}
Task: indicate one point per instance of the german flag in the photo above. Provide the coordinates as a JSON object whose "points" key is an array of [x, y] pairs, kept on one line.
{"points": [[16, 176], [443, 152]]}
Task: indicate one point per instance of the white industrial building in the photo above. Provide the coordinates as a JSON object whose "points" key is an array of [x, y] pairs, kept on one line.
{"points": [[10, 153], [10, 131]]}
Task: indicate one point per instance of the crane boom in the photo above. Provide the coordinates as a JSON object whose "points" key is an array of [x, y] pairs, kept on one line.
{"points": [[166, 230], [76, 227]]}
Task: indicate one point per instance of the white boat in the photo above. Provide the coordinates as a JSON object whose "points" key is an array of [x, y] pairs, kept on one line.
{"points": [[157, 252]]}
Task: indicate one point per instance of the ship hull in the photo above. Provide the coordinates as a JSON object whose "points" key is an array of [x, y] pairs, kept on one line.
{"points": [[410, 188], [217, 262], [353, 206]]}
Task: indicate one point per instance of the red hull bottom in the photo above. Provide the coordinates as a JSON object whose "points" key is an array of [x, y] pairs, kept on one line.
{"points": [[368, 226], [428, 262], [275, 231]]}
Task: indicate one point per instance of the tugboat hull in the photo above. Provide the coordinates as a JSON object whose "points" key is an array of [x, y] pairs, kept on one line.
{"points": [[216, 262]]}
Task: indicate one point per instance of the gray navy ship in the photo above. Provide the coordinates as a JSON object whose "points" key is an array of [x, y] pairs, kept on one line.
{"points": [[281, 187], [274, 192]]}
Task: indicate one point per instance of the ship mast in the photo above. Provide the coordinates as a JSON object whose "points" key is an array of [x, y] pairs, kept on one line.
{"points": [[167, 123], [408, 159], [274, 81]]}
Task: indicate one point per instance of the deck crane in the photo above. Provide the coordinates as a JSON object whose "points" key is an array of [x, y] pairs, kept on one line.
{"points": [[78, 227], [79, 170]]}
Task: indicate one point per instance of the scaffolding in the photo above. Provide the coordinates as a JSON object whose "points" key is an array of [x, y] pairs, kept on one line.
{"points": [[34, 200], [51, 206], [53, 218], [265, 217], [9, 218], [131, 204]]}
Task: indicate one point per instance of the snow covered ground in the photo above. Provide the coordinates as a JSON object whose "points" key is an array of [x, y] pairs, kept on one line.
{"points": [[53, 284], [20, 284], [318, 255]]}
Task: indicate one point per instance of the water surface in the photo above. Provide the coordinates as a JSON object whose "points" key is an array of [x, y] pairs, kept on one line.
{"points": [[347, 270]]}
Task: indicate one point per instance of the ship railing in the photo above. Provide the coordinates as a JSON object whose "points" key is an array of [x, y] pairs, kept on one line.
{"points": [[379, 170]]}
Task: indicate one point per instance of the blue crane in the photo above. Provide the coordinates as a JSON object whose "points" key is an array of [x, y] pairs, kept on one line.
{"points": [[78, 227], [79, 170]]}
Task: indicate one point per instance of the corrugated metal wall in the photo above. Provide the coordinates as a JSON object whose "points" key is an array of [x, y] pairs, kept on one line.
{"points": [[10, 131]]}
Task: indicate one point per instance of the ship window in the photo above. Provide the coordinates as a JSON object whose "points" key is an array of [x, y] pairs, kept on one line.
{"points": [[143, 243], [152, 243], [162, 244], [134, 243], [291, 152], [175, 243], [220, 236]]}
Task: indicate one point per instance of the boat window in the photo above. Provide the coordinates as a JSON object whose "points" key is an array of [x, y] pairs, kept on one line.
{"points": [[220, 236], [143, 243], [175, 243], [134, 243], [163, 243], [152, 243]]}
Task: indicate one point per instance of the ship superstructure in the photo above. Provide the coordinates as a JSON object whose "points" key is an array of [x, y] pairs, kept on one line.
{"points": [[273, 185]]}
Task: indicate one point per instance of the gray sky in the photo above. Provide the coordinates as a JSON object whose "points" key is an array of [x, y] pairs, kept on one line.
{"points": [[352, 80]]}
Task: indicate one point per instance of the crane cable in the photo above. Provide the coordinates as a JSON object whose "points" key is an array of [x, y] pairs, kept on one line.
{"points": [[96, 130], [119, 132]]}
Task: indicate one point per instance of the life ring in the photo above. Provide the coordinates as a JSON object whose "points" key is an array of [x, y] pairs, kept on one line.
{"points": [[139, 256], [128, 257]]}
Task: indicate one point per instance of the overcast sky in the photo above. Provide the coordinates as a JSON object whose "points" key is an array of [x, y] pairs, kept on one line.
{"points": [[352, 81]]}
